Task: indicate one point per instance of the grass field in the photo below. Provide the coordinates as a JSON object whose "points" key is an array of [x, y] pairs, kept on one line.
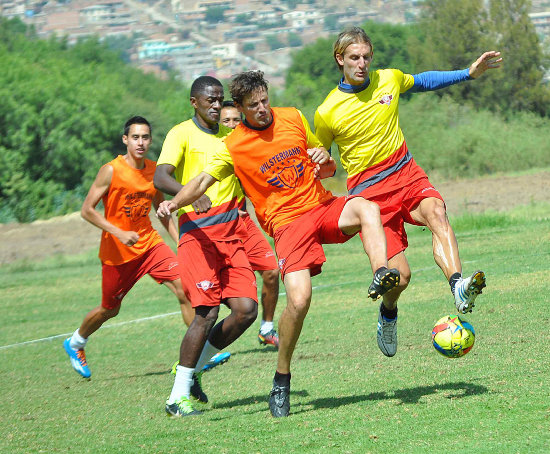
{"points": [[346, 396]]}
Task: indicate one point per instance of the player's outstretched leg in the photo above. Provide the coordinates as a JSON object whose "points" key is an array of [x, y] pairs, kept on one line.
{"points": [[78, 359], [384, 280], [466, 291]]}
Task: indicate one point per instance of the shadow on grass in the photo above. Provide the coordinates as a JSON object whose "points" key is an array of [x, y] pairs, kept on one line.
{"points": [[456, 390]]}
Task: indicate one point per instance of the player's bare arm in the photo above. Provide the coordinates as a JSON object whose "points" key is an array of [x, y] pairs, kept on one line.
{"points": [[99, 188], [488, 60], [167, 222], [165, 182], [189, 193]]}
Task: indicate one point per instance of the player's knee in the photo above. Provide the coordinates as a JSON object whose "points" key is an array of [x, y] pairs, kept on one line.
{"points": [[368, 212], [271, 277], [110, 312], [247, 312]]}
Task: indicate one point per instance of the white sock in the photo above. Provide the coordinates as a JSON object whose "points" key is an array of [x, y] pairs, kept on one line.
{"points": [[77, 341], [207, 352], [266, 327], [182, 384]]}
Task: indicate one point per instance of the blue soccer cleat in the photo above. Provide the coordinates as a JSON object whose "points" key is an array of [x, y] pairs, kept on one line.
{"points": [[78, 359], [216, 360]]}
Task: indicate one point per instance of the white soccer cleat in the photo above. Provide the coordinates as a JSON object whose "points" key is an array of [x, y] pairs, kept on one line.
{"points": [[386, 335], [466, 291]]}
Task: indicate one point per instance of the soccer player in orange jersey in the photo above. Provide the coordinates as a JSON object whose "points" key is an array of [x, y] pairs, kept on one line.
{"points": [[259, 252], [279, 163], [130, 247], [361, 115]]}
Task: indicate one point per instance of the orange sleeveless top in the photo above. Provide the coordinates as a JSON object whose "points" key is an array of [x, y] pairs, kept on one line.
{"points": [[127, 205]]}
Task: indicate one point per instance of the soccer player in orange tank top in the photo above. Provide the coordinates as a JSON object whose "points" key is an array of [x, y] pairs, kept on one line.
{"points": [[279, 163], [130, 246], [260, 255]]}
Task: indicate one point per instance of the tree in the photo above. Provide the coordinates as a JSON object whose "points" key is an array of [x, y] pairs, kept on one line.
{"points": [[294, 40], [470, 27], [214, 14], [273, 42]]}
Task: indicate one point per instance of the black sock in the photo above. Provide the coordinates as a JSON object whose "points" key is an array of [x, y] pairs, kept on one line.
{"points": [[281, 379], [453, 280], [388, 313]]}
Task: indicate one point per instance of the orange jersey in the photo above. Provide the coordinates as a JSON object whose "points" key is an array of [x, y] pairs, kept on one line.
{"points": [[127, 205], [273, 167]]}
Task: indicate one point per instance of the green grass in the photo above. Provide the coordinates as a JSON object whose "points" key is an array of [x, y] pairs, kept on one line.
{"points": [[346, 396]]}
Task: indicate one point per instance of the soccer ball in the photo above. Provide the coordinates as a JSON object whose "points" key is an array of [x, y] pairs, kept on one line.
{"points": [[453, 337]]}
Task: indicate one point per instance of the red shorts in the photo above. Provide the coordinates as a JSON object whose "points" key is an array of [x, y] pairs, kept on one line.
{"points": [[212, 271], [259, 252], [395, 210], [299, 244], [159, 262]]}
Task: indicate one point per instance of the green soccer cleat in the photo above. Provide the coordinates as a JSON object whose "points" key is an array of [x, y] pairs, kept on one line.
{"points": [[196, 388], [181, 408]]}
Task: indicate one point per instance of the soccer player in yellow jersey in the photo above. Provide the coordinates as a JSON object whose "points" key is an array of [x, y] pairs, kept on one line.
{"points": [[279, 162], [361, 116], [213, 262]]}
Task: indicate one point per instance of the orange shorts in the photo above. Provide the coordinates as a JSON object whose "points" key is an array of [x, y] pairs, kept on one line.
{"points": [[212, 271], [395, 210], [299, 244], [259, 252], [159, 262]]}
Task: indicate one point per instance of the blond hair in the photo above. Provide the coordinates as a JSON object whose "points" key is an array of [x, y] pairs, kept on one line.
{"points": [[353, 35]]}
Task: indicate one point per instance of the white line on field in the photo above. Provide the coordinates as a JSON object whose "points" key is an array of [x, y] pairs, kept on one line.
{"points": [[153, 317]]}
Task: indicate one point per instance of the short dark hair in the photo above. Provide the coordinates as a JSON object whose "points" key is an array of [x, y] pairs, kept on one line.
{"points": [[136, 120], [228, 104], [245, 83], [201, 83]]}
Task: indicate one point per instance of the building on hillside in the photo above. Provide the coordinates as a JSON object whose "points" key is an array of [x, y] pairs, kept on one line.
{"points": [[541, 21]]}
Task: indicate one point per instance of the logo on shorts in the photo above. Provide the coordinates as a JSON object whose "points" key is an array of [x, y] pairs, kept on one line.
{"points": [[205, 285], [172, 265], [269, 254], [281, 263], [431, 188], [386, 100]]}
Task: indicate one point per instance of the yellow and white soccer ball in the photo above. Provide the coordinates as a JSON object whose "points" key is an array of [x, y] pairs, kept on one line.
{"points": [[452, 336]]}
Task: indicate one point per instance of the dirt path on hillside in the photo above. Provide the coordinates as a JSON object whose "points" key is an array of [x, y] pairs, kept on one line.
{"points": [[70, 234]]}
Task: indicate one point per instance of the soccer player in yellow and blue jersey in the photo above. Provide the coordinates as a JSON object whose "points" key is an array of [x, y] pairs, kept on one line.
{"points": [[213, 263], [361, 116]]}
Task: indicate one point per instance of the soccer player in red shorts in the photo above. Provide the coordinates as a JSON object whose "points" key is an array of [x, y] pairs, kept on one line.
{"points": [[279, 163], [211, 235], [361, 116], [130, 247], [260, 255]]}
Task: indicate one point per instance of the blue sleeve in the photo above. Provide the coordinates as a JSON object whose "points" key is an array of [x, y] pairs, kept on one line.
{"points": [[434, 80]]}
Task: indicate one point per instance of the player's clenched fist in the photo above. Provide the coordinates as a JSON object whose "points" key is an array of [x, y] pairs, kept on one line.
{"points": [[166, 208]]}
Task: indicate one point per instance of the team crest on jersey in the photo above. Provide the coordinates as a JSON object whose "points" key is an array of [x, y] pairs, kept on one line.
{"points": [[205, 285], [288, 176], [386, 100], [137, 211]]}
